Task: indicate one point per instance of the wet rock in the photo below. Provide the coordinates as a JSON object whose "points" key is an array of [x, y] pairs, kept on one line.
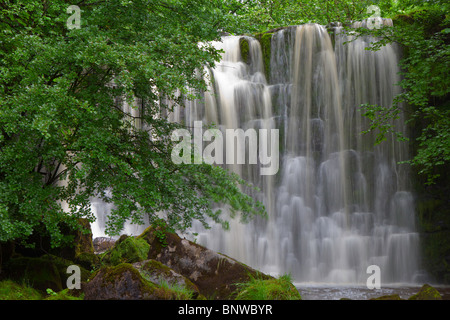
{"points": [[124, 282], [161, 274], [213, 273]]}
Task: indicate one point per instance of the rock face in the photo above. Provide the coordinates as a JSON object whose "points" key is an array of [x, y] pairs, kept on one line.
{"points": [[161, 274], [101, 244], [427, 292], [124, 282], [213, 273]]}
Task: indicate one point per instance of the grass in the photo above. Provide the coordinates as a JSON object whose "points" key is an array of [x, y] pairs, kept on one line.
{"points": [[10, 290], [271, 289]]}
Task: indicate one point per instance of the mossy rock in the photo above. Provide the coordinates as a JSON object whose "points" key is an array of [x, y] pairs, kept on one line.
{"points": [[265, 40], [214, 274], [245, 49], [127, 250], [10, 290], [427, 292], [161, 274], [121, 282], [388, 297], [124, 282], [267, 289]]}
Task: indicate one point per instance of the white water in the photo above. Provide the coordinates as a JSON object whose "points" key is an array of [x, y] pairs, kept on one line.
{"points": [[338, 204]]}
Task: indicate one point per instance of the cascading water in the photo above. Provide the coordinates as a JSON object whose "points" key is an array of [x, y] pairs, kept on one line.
{"points": [[338, 204]]}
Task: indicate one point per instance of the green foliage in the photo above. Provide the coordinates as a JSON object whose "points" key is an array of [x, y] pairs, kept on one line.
{"points": [[271, 289], [421, 29], [65, 294], [175, 291], [264, 15], [64, 137], [129, 250]]}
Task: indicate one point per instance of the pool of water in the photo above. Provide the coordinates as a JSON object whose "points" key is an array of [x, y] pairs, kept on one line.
{"points": [[336, 292]]}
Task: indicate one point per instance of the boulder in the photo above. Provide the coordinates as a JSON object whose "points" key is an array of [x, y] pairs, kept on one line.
{"points": [[161, 274], [102, 244], [214, 274], [124, 282], [427, 292], [127, 250]]}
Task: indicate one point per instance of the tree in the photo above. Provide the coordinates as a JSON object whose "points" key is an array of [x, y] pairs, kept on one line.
{"points": [[422, 30], [64, 136]]}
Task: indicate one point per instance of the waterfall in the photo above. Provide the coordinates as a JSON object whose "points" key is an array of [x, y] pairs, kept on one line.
{"points": [[338, 203]]}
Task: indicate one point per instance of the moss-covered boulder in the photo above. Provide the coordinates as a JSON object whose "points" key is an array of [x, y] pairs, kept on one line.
{"points": [[124, 282], [161, 274], [267, 289], [427, 292], [213, 273], [102, 244], [121, 282], [127, 250]]}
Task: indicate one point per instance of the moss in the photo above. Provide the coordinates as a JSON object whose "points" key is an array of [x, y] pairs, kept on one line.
{"points": [[112, 273], [87, 260], [158, 238], [127, 249], [427, 292], [161, 274], [83, 238], [244, 46], [10, 290], [271, 289], [65, 294], [265, 39], [126, 282]]}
